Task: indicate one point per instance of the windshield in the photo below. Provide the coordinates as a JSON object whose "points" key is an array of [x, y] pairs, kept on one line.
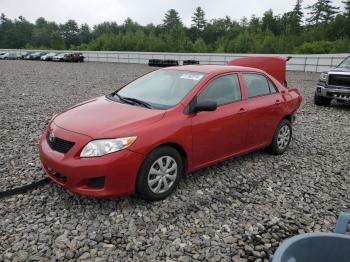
{"points": [[162, 89], [345, 63]]}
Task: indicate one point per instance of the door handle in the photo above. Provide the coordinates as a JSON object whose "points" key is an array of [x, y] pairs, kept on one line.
{"points": [[242, 110], [278, 101]]}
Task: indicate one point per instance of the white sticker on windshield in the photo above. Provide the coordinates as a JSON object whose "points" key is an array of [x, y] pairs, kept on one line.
{"points": [[189, 76]]}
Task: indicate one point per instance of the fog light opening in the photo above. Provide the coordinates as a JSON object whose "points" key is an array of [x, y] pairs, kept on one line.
{"points": [[97, 182]]}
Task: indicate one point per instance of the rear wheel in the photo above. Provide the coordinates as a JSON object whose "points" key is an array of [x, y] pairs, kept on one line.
{"points": [[159, 174], [321, 101], [281, 138]]}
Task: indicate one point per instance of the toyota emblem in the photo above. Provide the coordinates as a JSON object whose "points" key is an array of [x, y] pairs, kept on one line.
{"points": [[51, 137]]}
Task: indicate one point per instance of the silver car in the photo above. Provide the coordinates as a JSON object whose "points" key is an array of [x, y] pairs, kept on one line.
{"points": [[48, 56], [59, 57]]}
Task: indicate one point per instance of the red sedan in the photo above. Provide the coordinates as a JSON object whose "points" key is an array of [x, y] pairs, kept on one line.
{"points": [[144, 136]]}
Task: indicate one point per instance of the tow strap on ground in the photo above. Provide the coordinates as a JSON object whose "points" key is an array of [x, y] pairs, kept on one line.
{"points": [[23, 189]]}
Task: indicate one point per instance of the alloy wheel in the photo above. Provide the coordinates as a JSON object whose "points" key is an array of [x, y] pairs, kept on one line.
{"points": [[283, 137], [162, 174]]}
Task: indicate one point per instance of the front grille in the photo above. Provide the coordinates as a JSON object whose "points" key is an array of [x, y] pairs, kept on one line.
{"points": [[338, 95], [59, 145], [339, 80]]}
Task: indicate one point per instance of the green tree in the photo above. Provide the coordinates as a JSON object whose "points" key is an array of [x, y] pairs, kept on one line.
{"points": [[266, 43], [218, 28], [24, 31], [57, 41], [298, 10], [198, 19], [131, 26], [317, 47], [105, 28], [244, 21], [15, 34], [85, 35], [344, 25], [41, 33], [200, 46], [70, 33], [171, 20], [292, 21], [321, 12], [297, 16], [2, 18], [176, 39], [270, 22], [254, 24], [242, 43], [347, 8]]}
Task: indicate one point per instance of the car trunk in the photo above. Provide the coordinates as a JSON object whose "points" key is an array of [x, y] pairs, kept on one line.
{"points": [[273, 65]]}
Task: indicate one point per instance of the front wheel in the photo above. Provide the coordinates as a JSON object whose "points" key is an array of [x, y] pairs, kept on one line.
{"points": [[321, 101], [281, 138], [159, 174]]}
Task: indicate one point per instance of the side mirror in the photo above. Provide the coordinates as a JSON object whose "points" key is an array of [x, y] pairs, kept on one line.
{"points": [[206, 105]]}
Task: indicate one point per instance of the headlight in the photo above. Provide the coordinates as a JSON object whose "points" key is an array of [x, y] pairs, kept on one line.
{"points": [[106, 146], [323, 77]]}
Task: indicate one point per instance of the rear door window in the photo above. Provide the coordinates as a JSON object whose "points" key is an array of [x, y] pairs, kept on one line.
{"points": [[257, 85]]}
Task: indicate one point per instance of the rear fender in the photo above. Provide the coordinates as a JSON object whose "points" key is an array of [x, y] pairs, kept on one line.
{"points": [[293, 99]]}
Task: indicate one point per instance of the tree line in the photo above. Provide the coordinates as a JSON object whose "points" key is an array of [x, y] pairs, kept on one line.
{"points": [[318, 28]]}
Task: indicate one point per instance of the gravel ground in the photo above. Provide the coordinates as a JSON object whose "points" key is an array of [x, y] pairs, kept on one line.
{"points": [[239, 210]]}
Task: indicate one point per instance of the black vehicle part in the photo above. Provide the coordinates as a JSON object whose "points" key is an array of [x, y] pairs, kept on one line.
{"points": [[155, 62], [169, 62], [190, 62], [23, 189], [321, 101]]}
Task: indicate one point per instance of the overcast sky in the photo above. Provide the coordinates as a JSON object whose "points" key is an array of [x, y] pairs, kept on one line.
{"points": [[142, 11]]}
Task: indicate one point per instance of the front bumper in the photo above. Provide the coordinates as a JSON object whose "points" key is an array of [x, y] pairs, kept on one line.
{"points": [[333, 93], [118, 170]]}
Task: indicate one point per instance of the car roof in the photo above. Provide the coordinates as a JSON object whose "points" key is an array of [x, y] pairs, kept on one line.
{"points": [[216, 69]]}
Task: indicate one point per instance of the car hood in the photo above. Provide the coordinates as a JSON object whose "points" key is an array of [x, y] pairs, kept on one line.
{"points": [[340, 69], [103, 118]]}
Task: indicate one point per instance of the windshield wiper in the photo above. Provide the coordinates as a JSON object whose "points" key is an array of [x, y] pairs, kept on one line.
{"points": [[122, 99], [131, 100], [135, 100]]}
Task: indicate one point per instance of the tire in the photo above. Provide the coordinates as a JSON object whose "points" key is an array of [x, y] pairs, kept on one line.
{"points": [[148, 182], [281, 138], [321, 101]]}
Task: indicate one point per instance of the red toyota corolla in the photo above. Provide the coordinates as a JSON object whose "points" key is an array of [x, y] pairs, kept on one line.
{"points": [[167, 123]]}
